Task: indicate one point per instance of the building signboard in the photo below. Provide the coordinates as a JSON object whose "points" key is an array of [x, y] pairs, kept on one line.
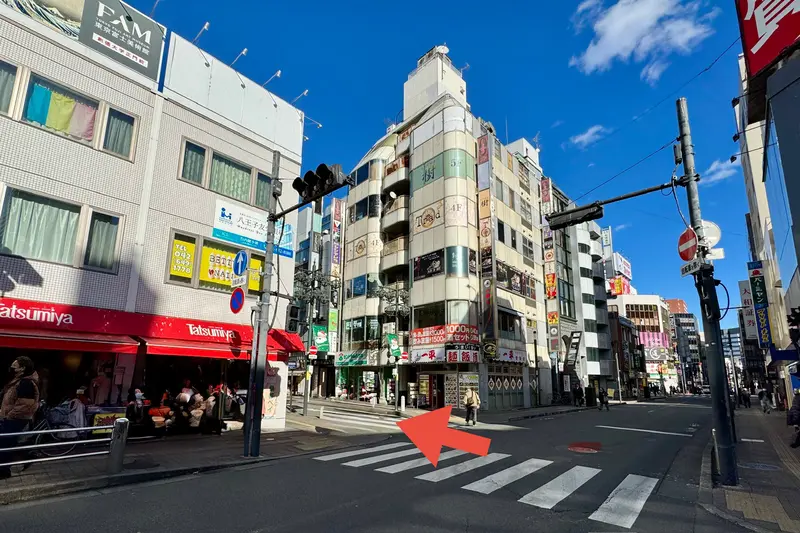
{"points": [[769, 29], [457, 333], [748, 313]]}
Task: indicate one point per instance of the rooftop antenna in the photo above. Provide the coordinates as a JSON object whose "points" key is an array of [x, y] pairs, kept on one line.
{"points": [[319, 125], [242, 53], [153, 11], [302, 94], [204, 28], [463, 69], [537, 142], [276, 75]]}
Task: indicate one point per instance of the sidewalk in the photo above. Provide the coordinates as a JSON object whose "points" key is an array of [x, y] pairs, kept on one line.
{"points": [[164, 458], [769, 476]]}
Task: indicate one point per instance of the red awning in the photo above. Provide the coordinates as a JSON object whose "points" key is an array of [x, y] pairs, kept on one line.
{"points": [[282, 341], [40, 339], [180, 348]]}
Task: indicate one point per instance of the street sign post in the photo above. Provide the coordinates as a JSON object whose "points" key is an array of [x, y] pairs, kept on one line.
{"points": [[691, 267], [238, 281], [312, 352], [240, 263], [237, 300], [687, 245]]}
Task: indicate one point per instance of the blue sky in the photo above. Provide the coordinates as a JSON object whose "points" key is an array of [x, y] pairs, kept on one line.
{"points": [[575, 72]]}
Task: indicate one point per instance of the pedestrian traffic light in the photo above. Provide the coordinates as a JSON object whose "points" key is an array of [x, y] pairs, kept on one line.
{"points": [[316, 184], [575, 216], [293, 318]]}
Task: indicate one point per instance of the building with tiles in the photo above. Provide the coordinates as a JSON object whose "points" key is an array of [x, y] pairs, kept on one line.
{"points": [[676, 305], [686, 337], [131, 182]]}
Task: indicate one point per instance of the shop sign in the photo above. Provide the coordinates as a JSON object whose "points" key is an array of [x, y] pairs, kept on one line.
{"points": [[484, 204], [489, 350], [769, 28], [336, 253], [622, 265], [511, 356], [488, 309], [428, 355], [460, 333], [357, 358], [360, 248], [333, 320], [748, 313], [393, 344], [549, 256], [455, 211], [245, 227], [574, 346], [216, 266], [337, 211], [486, 233], [320, 336], [656, 354], [473, 262], [374, 245], [428, 217], [763, 328], [758, 284], [550, 286], [429, 265], [546, 191], [487, 263], [462, 353], [483, 149], [552, 318], [182, 260], [469, 379], [652, 340]]}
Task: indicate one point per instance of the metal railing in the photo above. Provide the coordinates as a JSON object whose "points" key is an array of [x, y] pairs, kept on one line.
{"points": [[115, 451]]}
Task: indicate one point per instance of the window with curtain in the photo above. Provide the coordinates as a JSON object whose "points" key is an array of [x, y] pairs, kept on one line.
{"points": [[194, 159], [8, 74], [262, 191], [230, 178], [57, 109], [102, 244], [119, 133], [39, 228]]}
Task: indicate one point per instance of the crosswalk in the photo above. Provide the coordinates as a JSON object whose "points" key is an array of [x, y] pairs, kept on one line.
{"points": [[355, 422], [621, 508]]}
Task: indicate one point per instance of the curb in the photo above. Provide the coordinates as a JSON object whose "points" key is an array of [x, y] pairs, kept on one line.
{"points": [[38, 492]]}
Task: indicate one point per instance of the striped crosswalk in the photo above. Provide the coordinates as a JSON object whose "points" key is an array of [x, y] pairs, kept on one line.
{"points": [[621, 508]]}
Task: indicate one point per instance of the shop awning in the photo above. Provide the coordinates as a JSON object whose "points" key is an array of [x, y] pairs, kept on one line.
{"points": [[41, 339], [180, 348], [283, 341]]}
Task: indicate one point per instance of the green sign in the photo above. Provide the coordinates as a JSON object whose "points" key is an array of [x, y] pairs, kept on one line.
{"points": [[333, 319], [319, 336], [351, 359], [394, 346]]}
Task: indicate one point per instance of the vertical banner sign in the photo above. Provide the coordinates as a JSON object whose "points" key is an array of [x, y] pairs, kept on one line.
{"points": [[487, 254], [748, 313], [758, 285], [488, 309], [546, 196], [483, 162], [319, 335], [764, 331], [393, 344]]}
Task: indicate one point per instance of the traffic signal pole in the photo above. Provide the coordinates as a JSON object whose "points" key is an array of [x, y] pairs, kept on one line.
{"points": [[709, 305]]}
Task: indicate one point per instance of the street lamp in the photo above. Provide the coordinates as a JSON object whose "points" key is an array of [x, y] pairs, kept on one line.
{"points": [[397, 305]]}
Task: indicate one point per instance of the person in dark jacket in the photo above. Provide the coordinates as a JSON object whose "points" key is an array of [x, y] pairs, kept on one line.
{"points": [[602, 399], [793, 419], [18, 404]]}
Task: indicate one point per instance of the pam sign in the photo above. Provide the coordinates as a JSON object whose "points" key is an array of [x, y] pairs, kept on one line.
{"points": [[769, 29]]}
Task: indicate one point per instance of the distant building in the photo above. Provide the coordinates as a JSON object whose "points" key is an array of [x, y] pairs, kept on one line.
{"points": [[687, 344], [676, 305]]}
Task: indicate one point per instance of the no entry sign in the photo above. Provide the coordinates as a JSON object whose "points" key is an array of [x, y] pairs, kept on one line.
{"points": [[312, 350], [687, 245]]}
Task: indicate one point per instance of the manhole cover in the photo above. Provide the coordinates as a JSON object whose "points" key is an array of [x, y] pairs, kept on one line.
{"points": [[758, 466], [585, 447]]}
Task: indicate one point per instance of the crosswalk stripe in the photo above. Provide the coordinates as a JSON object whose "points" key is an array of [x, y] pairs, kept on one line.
{"points": [[416, 463], [362, 451], [623, 506], [352, 416], [548, 495], [500, 479], [350, 422], [452, 471], [382, 458]]}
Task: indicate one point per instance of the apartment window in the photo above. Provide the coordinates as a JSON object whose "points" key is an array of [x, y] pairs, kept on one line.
{"points": [[362, 207], [514, 238], [588, 299], [500, 190], [60, 110], [101, 247], [194, 160], [527, 248], [262, 190], [501, 231], [510, 326], [375, 205], [462, 312], [511, 199], [590, 326], [584, 248], [373, 328], [586, 272], [525, 213], [357, 330], [429, 315], [8, 75], [362, 174], [230, 178], [592, 354], [119, 133]]}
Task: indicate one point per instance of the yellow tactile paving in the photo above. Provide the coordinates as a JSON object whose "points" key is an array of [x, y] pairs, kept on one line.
{"points": [[760, 507]]}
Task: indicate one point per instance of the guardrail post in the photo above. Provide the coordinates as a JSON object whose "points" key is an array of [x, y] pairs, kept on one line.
{"points": [[116, 453]]}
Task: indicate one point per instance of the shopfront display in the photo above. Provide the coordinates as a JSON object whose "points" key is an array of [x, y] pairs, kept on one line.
{"points": [[505, 386]]}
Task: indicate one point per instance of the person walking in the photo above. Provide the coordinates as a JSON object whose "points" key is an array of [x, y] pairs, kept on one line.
{"points": [[472, 402], [602, 399], [793, 419], [763, 397], [20, 400]]}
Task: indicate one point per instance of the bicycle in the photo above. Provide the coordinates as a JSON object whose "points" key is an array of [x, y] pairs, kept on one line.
{"points": [[48, 418]]}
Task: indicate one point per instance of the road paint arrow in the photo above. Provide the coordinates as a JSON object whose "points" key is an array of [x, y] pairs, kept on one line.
{"points": [[429, 433]]}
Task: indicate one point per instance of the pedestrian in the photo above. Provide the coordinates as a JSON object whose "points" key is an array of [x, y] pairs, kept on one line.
{"points": [[746, 398], [20, 401], [793, 419], [472, 402], [763, 397], [575, 397], [603, 400]]}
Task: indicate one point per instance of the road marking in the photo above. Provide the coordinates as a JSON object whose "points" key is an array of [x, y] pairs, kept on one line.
{"points": [[548, 495], [383, 457], [362, 451], [416, 463], [651, 411], [751, 440], [623, 506], [466, 466], [647, 431], [347, 420], [499, 480]]}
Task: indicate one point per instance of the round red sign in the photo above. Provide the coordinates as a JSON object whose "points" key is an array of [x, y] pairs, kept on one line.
{"points": [[313, 350], [687, 245]]}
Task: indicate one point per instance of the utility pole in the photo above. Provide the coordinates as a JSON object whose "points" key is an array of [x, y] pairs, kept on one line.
{"points": [[709, 305]]}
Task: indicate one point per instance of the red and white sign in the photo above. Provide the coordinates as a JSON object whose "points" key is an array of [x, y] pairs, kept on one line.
{"points": [[462, 355], [404, 357], [428, 355], [511, 356], [768, 28], [456, 333], [687, 245], [312, 350]]}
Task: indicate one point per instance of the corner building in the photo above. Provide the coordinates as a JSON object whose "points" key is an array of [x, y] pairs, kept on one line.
{"points": [[442, 210]]}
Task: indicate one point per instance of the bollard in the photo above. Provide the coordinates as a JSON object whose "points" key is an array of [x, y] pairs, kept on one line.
{"points": [[321, 411], [116, 452], [403, 404], [373, 402]]}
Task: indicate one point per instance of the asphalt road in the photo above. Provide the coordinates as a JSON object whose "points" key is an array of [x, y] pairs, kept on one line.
{"points": [[642, 481]]}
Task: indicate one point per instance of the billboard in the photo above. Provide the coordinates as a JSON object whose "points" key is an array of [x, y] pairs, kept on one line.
{"points": [[758, 284], [110, 27], [619, 285], [622, 265], [768, 28]]}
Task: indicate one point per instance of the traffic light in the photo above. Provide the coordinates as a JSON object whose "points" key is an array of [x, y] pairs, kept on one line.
{"points": [[575, 216], [316, 184], [293, 318]]}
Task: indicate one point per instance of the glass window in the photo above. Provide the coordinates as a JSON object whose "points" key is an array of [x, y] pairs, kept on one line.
{"points": [[500, 190], [102, 244], [458, 312], [361, 208], [39, 228], [182, 255], [429, 315], [584, 248], [216, 266], [362, 174], [373, 328], [586, 272], [357, 330], [457, 263], [501, 232], [588, 299], [590, 326], [374, 201], [230, 178], [8, 74], [262, 190], [360, 286], [194, 159], [57, 109], [514, 238], [119, 133], [373, 284], [510, 326], [511, 199], [470, 167]]}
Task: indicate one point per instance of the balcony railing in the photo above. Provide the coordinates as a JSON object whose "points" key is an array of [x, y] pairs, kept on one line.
{"points": [[401, 202], [397, 245], [600, 293], [598, 271], [602, 316]]}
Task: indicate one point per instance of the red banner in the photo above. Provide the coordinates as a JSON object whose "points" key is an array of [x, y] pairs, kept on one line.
{"points": [[457, 333], [768, 28]]}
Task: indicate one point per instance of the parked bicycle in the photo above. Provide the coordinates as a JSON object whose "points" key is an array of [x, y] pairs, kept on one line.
{"points": [[50, 418]]}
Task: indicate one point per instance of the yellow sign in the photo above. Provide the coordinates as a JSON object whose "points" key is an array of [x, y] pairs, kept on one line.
{"points": [[216, 264], [484, 204], [105, 419], [182, 263], [254, 283]]}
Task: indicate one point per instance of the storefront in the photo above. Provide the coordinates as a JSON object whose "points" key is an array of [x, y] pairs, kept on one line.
{"points": [[505, 380], [360, 376], [107, 354]]}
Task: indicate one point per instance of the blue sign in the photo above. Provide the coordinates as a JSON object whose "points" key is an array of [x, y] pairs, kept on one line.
{"points": [[237, 300], [240, 263], [762, 326]]}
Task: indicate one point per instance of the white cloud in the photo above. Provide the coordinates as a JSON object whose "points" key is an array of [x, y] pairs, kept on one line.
{"points": [[642, 31], [591, 165], [586, 12], [590, 136], [557, 123], [719, 171], [622, 227]]}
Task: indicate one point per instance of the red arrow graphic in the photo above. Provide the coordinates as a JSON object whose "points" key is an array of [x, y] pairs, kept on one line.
{"points": [[429, 432]]}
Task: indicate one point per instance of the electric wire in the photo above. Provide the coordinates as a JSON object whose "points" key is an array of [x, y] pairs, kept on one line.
{"points": [[277, 270], [727, 307]]}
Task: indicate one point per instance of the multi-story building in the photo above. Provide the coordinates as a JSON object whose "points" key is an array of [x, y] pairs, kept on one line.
{"points": [[733, 352], [617, 267], [131, 177], [443, 210], [676, 305], [628, 353], [687, 342]]}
